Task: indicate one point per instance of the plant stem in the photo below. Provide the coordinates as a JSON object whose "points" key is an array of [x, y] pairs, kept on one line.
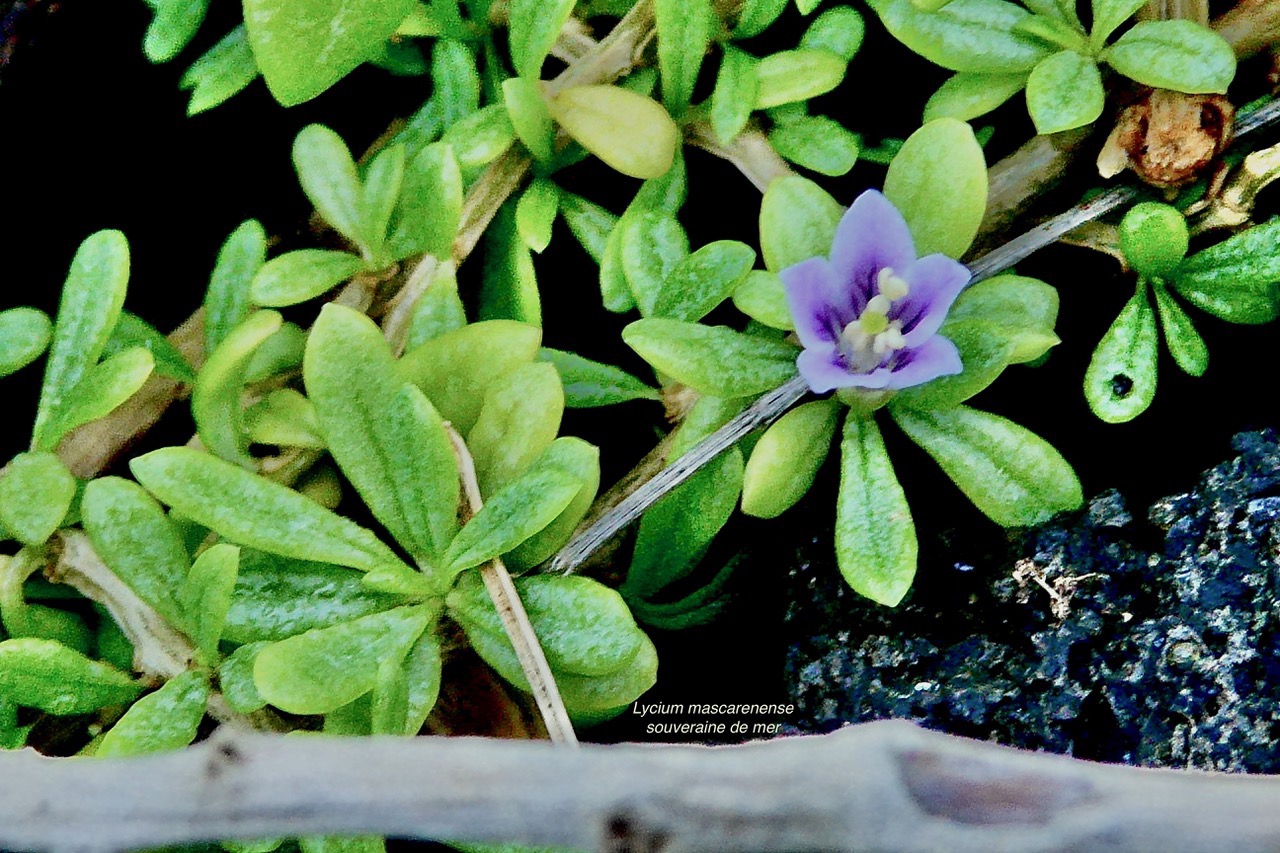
{"points": [[515, 620]]}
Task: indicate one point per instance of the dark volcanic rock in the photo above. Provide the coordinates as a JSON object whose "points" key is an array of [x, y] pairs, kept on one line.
{"points": [[1099, 636]]}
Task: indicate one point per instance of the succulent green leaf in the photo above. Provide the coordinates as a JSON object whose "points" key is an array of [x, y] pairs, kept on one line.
{"points": [[1108, 15], [510, 288], [798, 221], [761, 297], [36, 491], [839, 29], [384, 434], [173, 25], [530, 117], [162, 721], [215, 399], [251, 510], [786, 459], [967, 96], [985, 351], [536, 213], [221, 72], [518, 421], [1185, 344], [455, 369], [1120, 382], [45, 674], [302, 275], [715, 360], [653, 244], [133, 331], [590, 223], [455, 79], [235, 679], [757, 16], [938, 180], [1064, 92], [284, 418], [227, 303], [1013, 476], [102, 389], [430, 207], [588, 384], [734, 96], [629, 132], [1180, 55], [87, 313], [1236, 279], [380, 193], [329, 178], [701, 281], [439, 309], [1025, 310], [206, 597], [875, 536], [817, 143], [684, 34], [796, 75], [532, 28], [582, 460], [975, 36], [305, 46], [24, 336], [325, 668]]}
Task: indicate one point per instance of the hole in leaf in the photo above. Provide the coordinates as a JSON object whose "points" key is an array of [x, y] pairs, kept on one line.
{"points": [[1121, 385]]}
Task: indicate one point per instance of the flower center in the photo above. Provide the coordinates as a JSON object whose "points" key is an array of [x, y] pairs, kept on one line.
{"points": [[869, 339]]}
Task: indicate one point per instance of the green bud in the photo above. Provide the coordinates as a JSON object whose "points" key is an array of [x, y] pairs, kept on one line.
{"points": [[1154, 238]]}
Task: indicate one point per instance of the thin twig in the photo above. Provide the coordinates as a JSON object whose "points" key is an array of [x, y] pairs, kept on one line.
{"points": [[542, 682], [885, 786]]}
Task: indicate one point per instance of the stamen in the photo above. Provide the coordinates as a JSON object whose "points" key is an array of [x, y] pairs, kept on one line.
{"points": [[890, 285], [879, 305], [873, 322]]}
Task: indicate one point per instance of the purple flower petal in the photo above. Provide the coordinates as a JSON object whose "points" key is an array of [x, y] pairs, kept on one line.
{"points": [[935, 357], [872, 235], [935, 283], [824, 369], [813, 295]]}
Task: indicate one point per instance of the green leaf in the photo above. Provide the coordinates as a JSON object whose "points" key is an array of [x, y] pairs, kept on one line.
{"points": [[839, 29], [536, 213], [455, 79], [532, 28], [24, 336], [1179, 55], [796, 75], [215, 399], [615, 292], [522, 508], [817, 143], [326, 668], [430, 207], [103, 389], [700, 282], [734, 96], [1154, 239], [684, 34], [786, 459], [653, 244], [529, 116], [581, 460], [280, 353], [235, 679], [173, 26], [36, 491], [1054, 31], [383, 433], [519, 420], [1065, 91], [875, 536], [329, 178], [975, 36], [583, 626], [422, 669], [480, 138], [1185, 344], [1235, 280], [276, 597], [455, 369], [47, 675], [138, 542], [715, 360], [985, 351], [939, 183], [798, 221], [590, 223], [510, 289], [305, 46], [224, 70], [227, 303], [383, 179], [254, 511], [439, 309], [1108, 15], [589, 384], [389, 701], [1025, 311], [284, 418], [162, 721], [88, 312], [302, 275], [967, 96], [206, 597], [1121, 380], [757, 16], [133, 331], [1012, 475], [761, 297], [629, 132]]}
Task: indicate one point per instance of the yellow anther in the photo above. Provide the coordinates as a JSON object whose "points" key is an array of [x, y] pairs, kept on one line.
{"points": [[891, 285]]}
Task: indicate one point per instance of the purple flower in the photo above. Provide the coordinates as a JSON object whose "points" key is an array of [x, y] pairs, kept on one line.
{"points": [[869, 316]]}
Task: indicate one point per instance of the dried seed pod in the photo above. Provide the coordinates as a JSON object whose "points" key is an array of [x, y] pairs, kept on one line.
{"points": [[1168, 138]]}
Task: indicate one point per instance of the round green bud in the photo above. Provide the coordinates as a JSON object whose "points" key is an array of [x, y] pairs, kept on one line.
{"points": [[1154, 238]]}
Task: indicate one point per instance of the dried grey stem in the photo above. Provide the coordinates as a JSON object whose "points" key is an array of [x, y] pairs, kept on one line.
{"points": [[879, 786], [772, 405], [506, 599]]}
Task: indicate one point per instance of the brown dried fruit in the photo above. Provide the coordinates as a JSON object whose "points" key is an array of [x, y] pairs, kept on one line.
{"points": [[1168, 138]]}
